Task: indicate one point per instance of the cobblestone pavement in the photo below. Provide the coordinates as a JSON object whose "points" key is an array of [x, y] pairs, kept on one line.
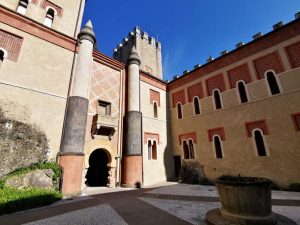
{"points": [[171, 204]]}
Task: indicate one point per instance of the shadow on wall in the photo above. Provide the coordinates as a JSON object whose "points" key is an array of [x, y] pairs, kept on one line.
{"points": [[168, 153], [20, 144]]}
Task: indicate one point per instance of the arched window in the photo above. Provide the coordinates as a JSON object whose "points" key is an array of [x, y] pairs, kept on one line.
{"points": [[196, 105], [217, 98], [154, 150], [2, 53], [218, 147], [191, 147], [272, 82], [259, 142], [155, 109], [49, 17], [22, 7], [149, 150], [242, 91], [179, 111], [186, 150]]}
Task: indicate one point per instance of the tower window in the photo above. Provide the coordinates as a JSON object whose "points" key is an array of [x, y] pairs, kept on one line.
{"points": [[242, 91], [49, 17], [272, 82], [22, 7], [186, 150], [179, 111], [154, 150], [217, 98], [155, 109], [218, 147], [196, 105], [259, 142], [149, 149]]}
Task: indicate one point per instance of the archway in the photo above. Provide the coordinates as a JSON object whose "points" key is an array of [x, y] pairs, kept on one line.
{"points": [[97, 174]]}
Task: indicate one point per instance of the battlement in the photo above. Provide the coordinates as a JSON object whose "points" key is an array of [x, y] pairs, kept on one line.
{"points": [[148, 49]]}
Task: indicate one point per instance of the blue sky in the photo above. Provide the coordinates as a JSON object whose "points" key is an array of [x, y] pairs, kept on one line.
{"points": [[189, 30]]}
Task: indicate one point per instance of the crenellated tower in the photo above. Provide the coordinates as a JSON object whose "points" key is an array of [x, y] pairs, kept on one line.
{"points": [[148, 49]]}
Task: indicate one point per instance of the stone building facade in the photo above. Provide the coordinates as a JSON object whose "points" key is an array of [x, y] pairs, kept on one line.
{"points": [[114, 121]]}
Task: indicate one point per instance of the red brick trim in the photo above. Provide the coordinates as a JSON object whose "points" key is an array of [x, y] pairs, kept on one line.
{"points": [[293, 53], [260, 124], [195, 90], [187, 136], [267, 62], [152, 136], [216, 131], [11, 43], [154, 97], [155, 82], [27, 25], [178, 96], [296, 120], [58, 9], [215, 82], [271, 39], [100, 57], [241, 72]]}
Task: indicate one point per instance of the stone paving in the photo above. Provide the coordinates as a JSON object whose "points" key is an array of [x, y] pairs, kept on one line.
{"points": [[170, 204]]}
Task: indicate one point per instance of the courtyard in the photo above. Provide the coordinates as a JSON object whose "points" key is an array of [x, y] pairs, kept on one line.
{"points": [[166, 203]]}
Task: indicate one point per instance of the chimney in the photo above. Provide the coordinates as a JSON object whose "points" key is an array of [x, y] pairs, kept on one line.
{"points": [[277, 25], [224, 52], [240, 44], [258, 35]]}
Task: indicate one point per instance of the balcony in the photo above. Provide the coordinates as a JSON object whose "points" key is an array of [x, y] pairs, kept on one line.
{"points": [[104, 125]]}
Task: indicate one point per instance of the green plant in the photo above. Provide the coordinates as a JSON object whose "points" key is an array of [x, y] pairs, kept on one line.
{"points": [[41, 165], [12, 200]]}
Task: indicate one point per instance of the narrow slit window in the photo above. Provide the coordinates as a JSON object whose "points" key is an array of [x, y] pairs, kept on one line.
{"points": [[154, 150], [242, 92], [218, 147], [1, 56], [179, 111], [186, 150], [149, 150], [49, 17], [217, 99], [22, 7], [259, 142], [273, 84], [196, 106], [191, 147], [155, 109]]}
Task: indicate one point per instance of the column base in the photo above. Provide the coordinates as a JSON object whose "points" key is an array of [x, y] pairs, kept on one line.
{"points": [[132, 172], [72, 165]]}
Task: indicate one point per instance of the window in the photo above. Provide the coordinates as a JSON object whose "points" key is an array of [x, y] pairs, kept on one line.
{"points": [[179, 110], [152, 150], [272, 82], [22, 7], [217, 98], [218, 147], [242, 91], [188, 149], [191, 147], [149, 149], [49, 17], [104, 108], [155, 109], [3, 54], [259, 142], [196, 105]]}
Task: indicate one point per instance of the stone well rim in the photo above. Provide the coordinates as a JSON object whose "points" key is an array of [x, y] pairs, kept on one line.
{"points": [[243, 181]]}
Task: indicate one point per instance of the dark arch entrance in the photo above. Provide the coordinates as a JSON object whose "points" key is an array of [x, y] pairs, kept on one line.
{"points": [[97, 173]]}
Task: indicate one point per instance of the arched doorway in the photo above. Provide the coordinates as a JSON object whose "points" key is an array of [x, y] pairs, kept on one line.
{"points": [[97, 173]]}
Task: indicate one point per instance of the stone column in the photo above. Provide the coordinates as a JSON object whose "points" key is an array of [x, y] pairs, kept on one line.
{"points": [[71, 157], [132, 157]]}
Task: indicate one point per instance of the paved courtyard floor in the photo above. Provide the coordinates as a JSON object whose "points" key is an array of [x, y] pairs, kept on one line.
{"points": [[167, 204]]}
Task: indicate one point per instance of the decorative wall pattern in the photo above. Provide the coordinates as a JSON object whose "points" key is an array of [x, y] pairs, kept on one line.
{"points": [[260, 124], [239, 73], [12, 44], [215, 82]]}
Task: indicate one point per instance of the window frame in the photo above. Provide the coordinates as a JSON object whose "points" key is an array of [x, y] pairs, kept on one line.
{"points": [[221, 145], [238, 91], [214, 99], [264, 141], [277, 82], [181, 111], [199, 105]]}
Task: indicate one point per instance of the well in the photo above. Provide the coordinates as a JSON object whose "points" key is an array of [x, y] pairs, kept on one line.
{"points": [[244, 200]]}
